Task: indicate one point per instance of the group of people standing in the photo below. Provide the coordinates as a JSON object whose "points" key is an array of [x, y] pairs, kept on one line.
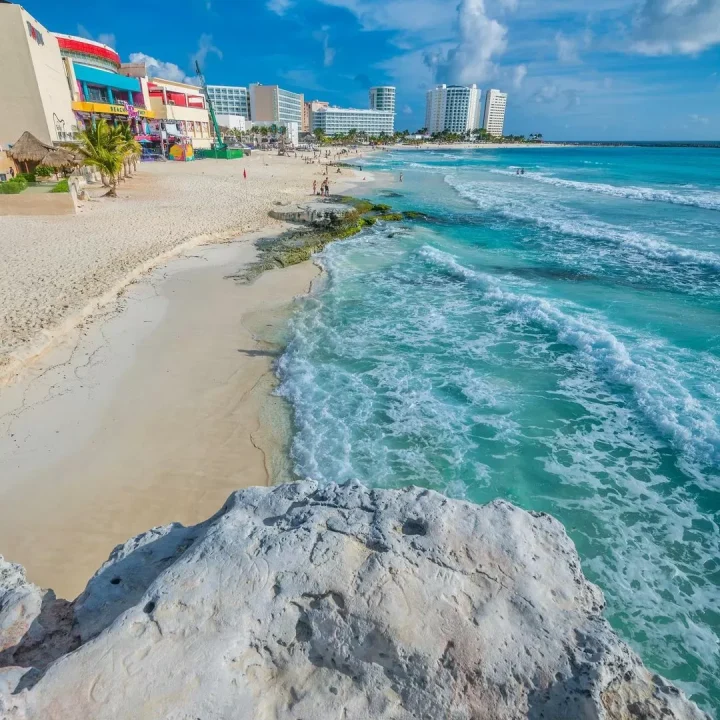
{"points": [[324, 188]]}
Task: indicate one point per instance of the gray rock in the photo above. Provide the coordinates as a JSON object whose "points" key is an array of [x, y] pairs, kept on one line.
{"points": [[313, 213], [308, 602]]}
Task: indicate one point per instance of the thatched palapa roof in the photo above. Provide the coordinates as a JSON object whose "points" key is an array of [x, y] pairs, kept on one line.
{"points": [[29, 149], [60, 158]]}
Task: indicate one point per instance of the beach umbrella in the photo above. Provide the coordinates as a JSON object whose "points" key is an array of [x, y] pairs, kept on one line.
{"points": [[28, 149]]}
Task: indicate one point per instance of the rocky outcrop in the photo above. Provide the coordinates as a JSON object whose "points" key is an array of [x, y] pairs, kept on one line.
{"points": [[314, 213], [307, 602]]}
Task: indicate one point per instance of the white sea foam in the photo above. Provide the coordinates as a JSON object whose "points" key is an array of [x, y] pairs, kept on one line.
{"points": [[661, 398], [700, 199], [566, 222]]}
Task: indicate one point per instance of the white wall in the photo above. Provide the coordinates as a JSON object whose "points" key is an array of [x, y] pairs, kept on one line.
{"points": [[33, 84]]}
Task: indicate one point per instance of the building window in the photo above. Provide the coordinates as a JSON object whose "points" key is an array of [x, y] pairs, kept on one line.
{"points": [[97, 94]]}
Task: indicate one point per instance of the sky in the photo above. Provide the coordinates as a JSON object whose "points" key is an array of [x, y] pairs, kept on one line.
{"points": [[573, 69]]}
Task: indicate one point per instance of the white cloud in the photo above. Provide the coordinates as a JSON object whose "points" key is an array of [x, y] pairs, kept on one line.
{"points": [[551, 92], [519, 74], [323, 36], [407, 110], [161, 69], [685, 27], [700, 119], [433, 17], [566, 47], [205, 48], [279, 7], [104, 38], [480, 39]]}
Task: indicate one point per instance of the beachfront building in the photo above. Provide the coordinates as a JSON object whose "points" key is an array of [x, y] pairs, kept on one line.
{"points": [[100, 86], [292, 129], [452, 108], [382, 97], [181, 112], [230, 101], [34, 91], [270, 103], [494, 116], [232, 122], [340, 121], [308, 109]]}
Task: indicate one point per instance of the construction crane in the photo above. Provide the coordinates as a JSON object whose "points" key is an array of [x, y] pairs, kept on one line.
{"points": [[218, 144]]}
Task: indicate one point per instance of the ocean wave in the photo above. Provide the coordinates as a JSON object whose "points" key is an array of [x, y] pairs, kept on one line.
{"points": [[700, 199], [658, 395], [565, 223]]}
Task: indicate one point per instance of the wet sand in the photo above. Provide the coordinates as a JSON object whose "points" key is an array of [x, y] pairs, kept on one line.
{"points": [[153, 413]]}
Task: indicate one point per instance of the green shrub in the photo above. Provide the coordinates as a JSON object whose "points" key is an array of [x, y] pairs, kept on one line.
{"points": [[61, 187], [28, 177], [14, 186], [43, 171]]}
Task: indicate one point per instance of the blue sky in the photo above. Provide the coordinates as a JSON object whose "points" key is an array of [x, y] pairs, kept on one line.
{"points": [[599, 69]]}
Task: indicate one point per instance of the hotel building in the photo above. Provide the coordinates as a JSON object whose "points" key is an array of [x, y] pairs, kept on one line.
{"points": [[308, 109], [270, 103], [181, 111], [452, 108], [230, 100], [382, 97], [34, 91], [335, 121], [494, 116]]}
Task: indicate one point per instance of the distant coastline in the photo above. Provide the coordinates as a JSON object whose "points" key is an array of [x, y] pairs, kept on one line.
{"points": [[637, 143]]}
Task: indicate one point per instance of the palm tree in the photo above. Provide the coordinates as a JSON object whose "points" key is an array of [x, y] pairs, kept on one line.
{"points": [[102, 147], [130, 148]]}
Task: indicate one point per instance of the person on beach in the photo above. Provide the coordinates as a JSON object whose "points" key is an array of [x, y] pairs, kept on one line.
{"points": [[314, 187], [245, 173]]}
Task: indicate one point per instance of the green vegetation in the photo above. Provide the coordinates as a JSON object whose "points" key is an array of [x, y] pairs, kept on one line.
{"points": [[43, 171], [391, 217], [14, 186], [61, 187], [28, 177], [111, 149]]}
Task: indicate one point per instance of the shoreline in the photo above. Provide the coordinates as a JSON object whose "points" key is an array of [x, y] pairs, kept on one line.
{"points": [[156, 414], [60, 273], [156, 405]]}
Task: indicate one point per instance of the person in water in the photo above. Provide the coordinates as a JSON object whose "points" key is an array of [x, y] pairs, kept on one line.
{"points": [[401, 177]]}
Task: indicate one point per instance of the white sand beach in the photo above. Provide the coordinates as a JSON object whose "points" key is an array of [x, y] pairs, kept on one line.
{"points": [[56, 270], [157, 405]]}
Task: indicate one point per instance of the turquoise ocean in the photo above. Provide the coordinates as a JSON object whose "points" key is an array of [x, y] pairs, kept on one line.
{"points": [[551, 338]]}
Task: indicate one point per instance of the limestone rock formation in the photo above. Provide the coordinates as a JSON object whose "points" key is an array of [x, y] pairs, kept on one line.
{"points": [[306, 602], [318, 212]]}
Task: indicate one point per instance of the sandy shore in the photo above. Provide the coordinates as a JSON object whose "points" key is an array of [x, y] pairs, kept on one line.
{"points": [[153, 414], [157, 405], [54, 271]]}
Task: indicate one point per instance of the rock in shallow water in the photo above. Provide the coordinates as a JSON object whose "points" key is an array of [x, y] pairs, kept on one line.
{"points": [[308, 602]]}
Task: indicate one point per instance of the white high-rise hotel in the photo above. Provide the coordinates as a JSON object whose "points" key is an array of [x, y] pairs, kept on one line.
{"points": [[494, 117], [455, 108], [382, 97]]}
